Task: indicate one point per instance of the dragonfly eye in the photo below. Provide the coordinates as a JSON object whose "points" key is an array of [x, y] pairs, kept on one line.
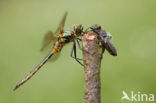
{"points": [[78, 28]]}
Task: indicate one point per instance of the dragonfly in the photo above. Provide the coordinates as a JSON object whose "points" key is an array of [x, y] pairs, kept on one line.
{"points": [[104, 38], [63, 37]]}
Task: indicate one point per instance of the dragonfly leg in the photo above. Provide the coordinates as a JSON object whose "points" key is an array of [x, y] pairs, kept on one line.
{"points": [[87, 29], [75, 56], [79, 43], [74, 49], [79, 39]]}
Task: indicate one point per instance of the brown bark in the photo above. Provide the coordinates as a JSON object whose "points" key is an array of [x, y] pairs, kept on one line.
{"points": [[92, 55]]}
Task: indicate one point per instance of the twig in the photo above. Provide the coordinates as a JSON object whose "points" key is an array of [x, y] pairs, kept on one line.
{"points": [[92, 54]]}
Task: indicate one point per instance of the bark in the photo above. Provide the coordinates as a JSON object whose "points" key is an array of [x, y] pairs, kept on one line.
{"points": [[92, 54]]}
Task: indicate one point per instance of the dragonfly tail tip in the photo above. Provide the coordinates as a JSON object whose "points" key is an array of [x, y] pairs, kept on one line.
{"points": [[15, 88]]}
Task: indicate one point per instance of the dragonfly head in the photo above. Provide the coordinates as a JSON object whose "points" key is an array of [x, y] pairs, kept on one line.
{"points": [[95, 27], [78, 29]]}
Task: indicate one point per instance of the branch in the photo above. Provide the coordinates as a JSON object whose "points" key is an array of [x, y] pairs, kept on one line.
{"points": [[92, 55]]}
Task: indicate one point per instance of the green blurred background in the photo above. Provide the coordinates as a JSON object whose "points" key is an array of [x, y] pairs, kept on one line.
{"points": [[23, 24]]}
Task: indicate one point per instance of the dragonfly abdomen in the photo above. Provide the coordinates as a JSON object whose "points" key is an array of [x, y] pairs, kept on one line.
{"points": [[34, 70], [57, 47]]}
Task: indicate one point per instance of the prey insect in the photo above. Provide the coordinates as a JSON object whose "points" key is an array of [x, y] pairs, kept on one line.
{"points": [[63, 37], [104, 38]]}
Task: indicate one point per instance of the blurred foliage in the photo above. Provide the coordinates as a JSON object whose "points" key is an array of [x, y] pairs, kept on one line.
{"points": [[23, 24]]}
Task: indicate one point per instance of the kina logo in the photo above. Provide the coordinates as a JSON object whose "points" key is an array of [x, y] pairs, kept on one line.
{"points": [[137, 96]]}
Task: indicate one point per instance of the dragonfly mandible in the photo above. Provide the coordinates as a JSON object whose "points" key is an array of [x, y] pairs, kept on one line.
{"points": [[104, 38], [63, 37]]}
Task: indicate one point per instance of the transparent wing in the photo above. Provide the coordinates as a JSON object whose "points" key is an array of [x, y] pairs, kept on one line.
{"points": [[48, 39], [59, 30]]}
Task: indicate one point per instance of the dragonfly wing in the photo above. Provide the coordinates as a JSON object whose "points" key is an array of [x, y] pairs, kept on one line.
{"points": [[59, 30], [48, 39]]}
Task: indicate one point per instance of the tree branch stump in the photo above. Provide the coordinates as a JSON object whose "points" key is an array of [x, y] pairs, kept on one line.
{"points": [[92, 54]]}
